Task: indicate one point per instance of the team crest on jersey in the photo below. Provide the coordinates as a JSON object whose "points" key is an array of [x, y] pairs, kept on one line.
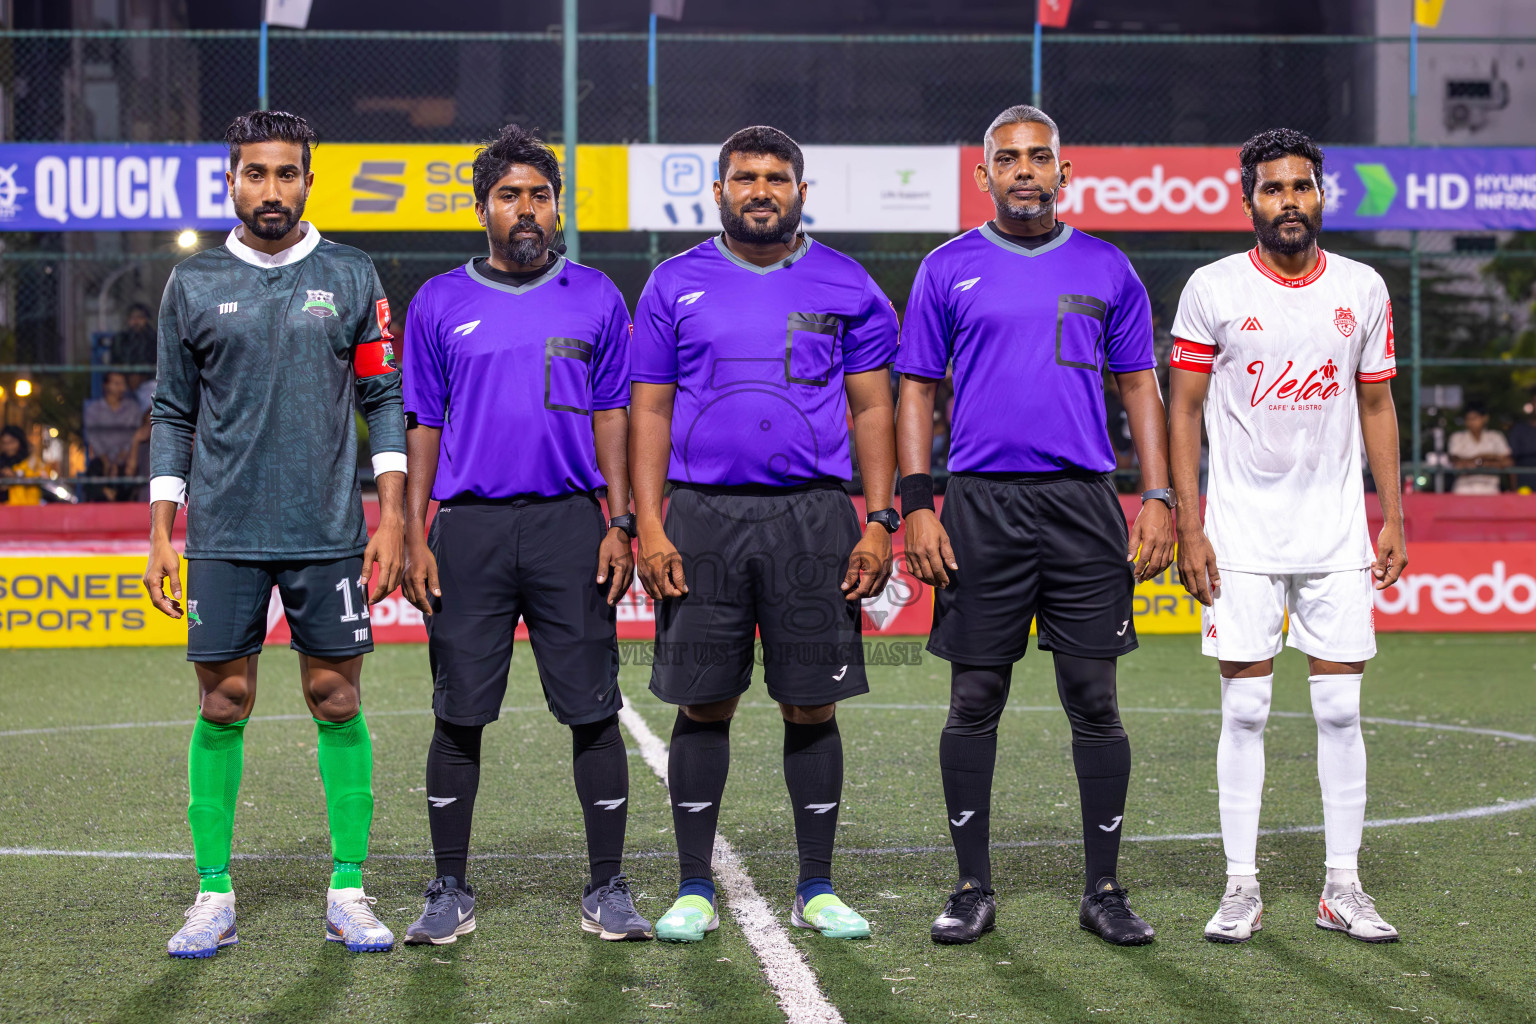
{"points": [[320, 303], [1344, 320]]}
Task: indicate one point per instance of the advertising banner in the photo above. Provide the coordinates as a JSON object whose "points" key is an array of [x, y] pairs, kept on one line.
{"points": [[1463, 588], [63, 186], [1190, 188], [1430, 189], [81, 600], [358, 187], [852, 188], [98, 600], [430, 187]]}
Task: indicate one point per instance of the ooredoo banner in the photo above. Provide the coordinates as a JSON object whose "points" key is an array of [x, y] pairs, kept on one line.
{"points": [[1132, 188], [1462, 588], [1193, 188]]}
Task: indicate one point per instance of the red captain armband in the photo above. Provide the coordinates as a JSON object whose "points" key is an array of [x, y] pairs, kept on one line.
{"points": [[1189, 355], [376, 358]]}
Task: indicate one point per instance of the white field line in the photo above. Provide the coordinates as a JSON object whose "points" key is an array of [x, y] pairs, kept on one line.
{"points": [[187, 723], [655, 757], [849, 706], [791, 977]]}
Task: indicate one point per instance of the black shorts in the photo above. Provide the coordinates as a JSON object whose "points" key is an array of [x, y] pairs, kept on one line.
{"points": [[326, 606], [770, 561], [1051, 547], [535, 559]]}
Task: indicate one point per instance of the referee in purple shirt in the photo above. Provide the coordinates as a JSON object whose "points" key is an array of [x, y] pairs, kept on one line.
{"points": [[516, 384], [749, 350], [1031, 314]]}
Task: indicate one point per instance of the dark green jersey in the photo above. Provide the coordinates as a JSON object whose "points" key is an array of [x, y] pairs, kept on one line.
{"points": [[256, 399]]}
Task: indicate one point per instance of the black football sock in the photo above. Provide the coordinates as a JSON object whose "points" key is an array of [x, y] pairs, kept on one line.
{"points": [[601, 766], [453, 779], [967, 757], [813, 771], [1102, 756], [1103, 775], [697, 764]]}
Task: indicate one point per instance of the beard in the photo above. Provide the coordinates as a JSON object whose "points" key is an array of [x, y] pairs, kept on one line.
{"points": [[268, 231], [742, 230], [525, 252], [1011, 208], [1271, 238]]}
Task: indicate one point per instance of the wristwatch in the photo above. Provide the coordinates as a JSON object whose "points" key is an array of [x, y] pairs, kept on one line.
{"points": [[625, 522], [1162, 494], [886, 517]]}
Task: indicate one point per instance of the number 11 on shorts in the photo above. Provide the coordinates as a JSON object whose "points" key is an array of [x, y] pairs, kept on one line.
{"points": [[345, 587]]}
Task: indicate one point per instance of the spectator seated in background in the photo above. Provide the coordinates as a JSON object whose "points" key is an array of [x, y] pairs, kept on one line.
{"points": [[16, 464], [1522, 444], [136, 342], [1477, 447], [138, 454], [111, 422]]}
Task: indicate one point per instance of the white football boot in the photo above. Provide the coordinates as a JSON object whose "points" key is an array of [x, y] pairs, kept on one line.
{"points": [[1240, 915], [1352, 912]]}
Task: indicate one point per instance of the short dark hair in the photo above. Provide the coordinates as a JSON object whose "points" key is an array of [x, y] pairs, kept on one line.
{"points": [[513, 145], [761, 140], [1272, 145], [267, 126], [139, 307], [1476, 405]]}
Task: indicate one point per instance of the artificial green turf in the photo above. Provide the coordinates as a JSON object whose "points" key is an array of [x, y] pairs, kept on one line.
{"points": [[84, 937]]}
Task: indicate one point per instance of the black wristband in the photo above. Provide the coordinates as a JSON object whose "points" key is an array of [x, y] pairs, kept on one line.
{"points": [[916, 493], [625, 522]]}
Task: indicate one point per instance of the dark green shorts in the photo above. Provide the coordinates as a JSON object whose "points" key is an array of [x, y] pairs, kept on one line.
{"points": [[228, 605]]}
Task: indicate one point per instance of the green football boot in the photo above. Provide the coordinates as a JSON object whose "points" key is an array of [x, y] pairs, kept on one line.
{"points": [[687, 920], [830, 916]]}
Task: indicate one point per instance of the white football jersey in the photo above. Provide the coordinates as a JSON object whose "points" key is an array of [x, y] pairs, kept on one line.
{"points": [[1285, 492]]}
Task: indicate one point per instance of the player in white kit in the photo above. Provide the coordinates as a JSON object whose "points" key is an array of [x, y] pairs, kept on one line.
{"points": [[1288, 352]]}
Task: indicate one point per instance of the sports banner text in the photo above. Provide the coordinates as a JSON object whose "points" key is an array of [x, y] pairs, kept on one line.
{"points": [[427, 187]]}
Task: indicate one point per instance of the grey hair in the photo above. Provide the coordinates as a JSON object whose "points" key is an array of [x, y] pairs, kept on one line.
{"points": [[1022, 113]]}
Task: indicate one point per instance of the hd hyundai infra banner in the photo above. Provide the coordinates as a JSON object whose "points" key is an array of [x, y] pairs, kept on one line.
{"points": [[1179, 188]]}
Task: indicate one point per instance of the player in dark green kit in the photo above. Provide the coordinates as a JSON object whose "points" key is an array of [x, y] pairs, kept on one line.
{"points": [[268, 346]]}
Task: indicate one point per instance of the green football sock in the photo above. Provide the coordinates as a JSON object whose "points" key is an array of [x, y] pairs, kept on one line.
{"points": [[346, 769], [215, 760]]}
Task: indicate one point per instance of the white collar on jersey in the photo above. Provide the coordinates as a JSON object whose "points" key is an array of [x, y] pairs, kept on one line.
{"points": [[256, 258]]}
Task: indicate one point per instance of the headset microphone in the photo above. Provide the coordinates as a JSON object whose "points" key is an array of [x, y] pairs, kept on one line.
{"points": [[558, 248]]}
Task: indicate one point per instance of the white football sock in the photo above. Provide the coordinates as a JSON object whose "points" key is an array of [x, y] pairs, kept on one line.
{"points": [[1240, 768], [1340, 766], [1340, 879], [1248, 883]]}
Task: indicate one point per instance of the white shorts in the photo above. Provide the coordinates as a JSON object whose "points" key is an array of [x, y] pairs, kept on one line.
{"points": [[1333, 616]]}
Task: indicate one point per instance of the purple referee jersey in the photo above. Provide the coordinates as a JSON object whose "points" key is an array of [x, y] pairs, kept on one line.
{"points": [[1031, 332], [758, 355], [513, 374]]}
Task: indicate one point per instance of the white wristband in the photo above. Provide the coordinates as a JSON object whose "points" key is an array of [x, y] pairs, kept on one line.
{"points": [[388, 462], [168, 488]]}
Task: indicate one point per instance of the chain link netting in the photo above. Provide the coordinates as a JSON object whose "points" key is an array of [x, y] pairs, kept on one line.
{"points": [[62, 296], [461, 87]]}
